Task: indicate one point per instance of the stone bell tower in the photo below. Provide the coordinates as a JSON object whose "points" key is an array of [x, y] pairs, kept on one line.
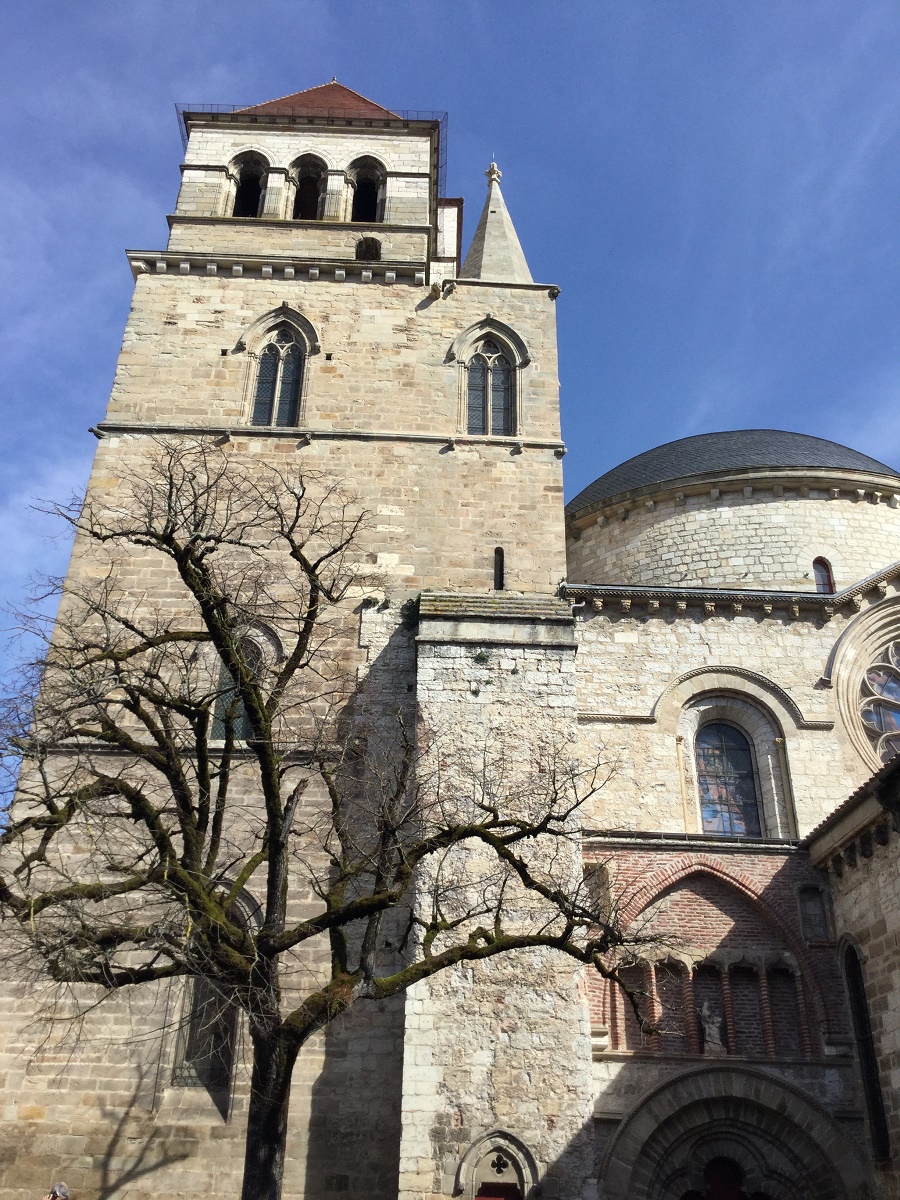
{"points": [[309, 303]]}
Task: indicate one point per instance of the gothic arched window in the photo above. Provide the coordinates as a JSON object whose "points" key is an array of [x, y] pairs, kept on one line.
{"points": [[868, 1059], [276, 399], [205, 1057], [727, 782], [229, 710], [880, 702], [489, 391], [823, 575], [248, 198], [309, 197]]}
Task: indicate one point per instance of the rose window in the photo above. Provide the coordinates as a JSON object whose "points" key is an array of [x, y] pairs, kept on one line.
{"points": [[880, 702]]}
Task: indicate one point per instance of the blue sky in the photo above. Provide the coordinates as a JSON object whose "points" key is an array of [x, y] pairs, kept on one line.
{"points": [[714, 186]]}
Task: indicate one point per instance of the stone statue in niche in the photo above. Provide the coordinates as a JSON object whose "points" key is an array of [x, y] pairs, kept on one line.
{"points": [[711, 1031]]}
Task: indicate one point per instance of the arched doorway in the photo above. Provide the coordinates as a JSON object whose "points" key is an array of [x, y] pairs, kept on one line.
{"points": [[728, 1133], [724, 1180]]}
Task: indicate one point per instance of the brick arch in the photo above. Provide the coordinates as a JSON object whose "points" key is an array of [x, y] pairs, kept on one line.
{"points": [[695, 864], [785, 1142]]}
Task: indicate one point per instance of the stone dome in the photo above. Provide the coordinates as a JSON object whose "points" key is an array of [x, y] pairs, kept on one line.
{"points": [[716, 453]]}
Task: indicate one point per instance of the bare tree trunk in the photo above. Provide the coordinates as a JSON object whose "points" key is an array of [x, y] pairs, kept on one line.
{"points": [[270, 1093]]}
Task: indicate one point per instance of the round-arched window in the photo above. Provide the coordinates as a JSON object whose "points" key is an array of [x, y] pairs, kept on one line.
{"points": [[879, 704], [727, 782]]}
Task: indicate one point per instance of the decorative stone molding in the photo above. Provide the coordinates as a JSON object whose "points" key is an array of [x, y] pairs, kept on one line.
{"points": [[717, 679], [779, 1137], [516, 1162], [808, 605], [249, 267]]}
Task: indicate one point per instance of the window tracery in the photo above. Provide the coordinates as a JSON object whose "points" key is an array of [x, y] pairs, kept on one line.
{"points": [[879, 703], [727, 782], [276, 397], [489, 391]]}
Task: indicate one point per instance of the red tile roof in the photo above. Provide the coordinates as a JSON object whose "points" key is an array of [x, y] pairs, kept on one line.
{"points": [[326, 100]]}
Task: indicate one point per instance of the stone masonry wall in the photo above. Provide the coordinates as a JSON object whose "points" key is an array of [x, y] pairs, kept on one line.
{"points": [[305, 240], [866, 899], [630, 700], [381, 376], [762, 541], [501, 1045]]}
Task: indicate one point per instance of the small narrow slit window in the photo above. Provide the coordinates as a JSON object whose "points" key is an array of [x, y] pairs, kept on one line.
{"points": [[499, 570], [489, 392], [276, 399], [823, 575]]}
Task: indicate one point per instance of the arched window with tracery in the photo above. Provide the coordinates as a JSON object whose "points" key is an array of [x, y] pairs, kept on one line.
{"points": [[279, 375], [229, 713], [880, 702], [727, 782], [207, 1045], [489, 391], [310, 188], [823, 575], [251, 179]]}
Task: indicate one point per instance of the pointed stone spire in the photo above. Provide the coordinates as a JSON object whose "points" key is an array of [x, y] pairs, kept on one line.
{"points": [[495, 254]]}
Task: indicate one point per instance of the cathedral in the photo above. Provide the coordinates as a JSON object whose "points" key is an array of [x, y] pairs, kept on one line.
{"points": [[718, 617]]}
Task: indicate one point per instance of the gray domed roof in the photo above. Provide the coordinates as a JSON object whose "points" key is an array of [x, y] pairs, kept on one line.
{"points": [[734, 450]]}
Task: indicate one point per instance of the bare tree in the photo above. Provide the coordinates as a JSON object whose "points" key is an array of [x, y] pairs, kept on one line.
{"points": [[200, 792]]}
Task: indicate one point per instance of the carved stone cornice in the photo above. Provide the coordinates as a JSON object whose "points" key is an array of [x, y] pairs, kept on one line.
{"points": [[626, 598]]}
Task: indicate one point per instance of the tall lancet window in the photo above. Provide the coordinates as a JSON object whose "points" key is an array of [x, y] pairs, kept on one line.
{"points": [[276, 400], [489, 396], [727, 782]]}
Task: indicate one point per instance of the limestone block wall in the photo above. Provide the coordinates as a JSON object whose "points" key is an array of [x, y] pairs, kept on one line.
{"points": [[640, 673], [405, 157], [382, 402], [315, 240], [389, 346], [767, 539], [499, 1046], [866, 899]]}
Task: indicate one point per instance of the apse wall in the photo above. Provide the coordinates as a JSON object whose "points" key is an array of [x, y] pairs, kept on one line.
{"points": [[739, 532]]}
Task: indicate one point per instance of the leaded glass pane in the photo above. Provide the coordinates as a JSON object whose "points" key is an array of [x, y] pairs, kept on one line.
{"points": [[884, 682], [284, 337], [266, 378], [727, 786], [477, 388], [501, 397], [289, 392], [879, 702]]}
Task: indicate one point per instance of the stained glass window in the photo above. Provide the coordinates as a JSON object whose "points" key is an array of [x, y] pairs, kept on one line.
{"points": [[727, 783], [490, 392], [879, 705], [280, 374]]}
